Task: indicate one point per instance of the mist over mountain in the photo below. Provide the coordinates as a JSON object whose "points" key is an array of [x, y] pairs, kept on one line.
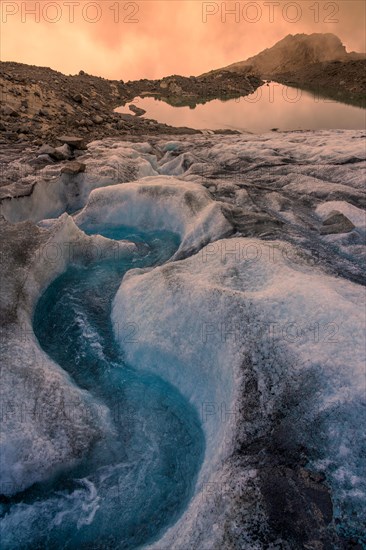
{"points": [[296, 51]]}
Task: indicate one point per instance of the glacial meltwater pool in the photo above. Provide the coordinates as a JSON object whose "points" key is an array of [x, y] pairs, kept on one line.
{"points": [[270, 106], [139, 478]]}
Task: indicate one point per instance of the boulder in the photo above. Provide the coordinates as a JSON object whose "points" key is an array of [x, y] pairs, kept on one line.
{"points": [[46, 150], [73, 168], [137, 110], [77, 98], [42, 160], [97, 119], [78, 152], [335, 223], [62, 153], [75, 142], [126, 117]]}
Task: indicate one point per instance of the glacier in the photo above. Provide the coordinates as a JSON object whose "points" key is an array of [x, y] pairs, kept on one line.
{"points": [[256, 318], [262, 318]]}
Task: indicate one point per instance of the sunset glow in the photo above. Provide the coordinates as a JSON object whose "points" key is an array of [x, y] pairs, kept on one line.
{"points": [[151, 39]]}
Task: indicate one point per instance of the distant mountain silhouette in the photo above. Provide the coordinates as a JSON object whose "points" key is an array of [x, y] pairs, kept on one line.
{"points": [[295, 52]]}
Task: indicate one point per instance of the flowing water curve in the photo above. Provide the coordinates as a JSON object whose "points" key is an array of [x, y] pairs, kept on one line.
{"points": [[138, 480]]}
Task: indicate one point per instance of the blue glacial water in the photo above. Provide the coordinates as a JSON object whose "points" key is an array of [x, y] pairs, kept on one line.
{"points": [[138, 480]]}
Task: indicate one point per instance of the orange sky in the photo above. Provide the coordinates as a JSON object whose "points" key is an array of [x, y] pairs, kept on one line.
{"points": [[153, 38]]}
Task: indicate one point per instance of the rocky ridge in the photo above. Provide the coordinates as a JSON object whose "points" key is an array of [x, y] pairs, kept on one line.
{"points": [[296, 51], [40, 104], [317, 62]]}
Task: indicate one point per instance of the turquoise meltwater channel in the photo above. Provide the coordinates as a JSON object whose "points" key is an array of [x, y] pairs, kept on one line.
{"points": [[139, 479]]}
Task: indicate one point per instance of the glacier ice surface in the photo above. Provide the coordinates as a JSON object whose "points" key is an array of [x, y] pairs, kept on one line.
{"points": [[261, 332]]}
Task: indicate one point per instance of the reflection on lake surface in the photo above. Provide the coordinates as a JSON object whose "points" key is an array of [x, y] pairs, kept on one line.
{"points": [[271, 106]]}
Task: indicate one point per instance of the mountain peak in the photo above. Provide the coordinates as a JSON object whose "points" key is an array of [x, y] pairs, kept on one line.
{"points": [[295, 51]]}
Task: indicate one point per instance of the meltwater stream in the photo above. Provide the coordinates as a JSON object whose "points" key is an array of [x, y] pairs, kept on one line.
{"points": [[137, 480]]}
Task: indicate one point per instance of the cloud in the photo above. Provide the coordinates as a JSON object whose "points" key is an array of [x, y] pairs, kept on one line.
{"points": [[150, 39]]}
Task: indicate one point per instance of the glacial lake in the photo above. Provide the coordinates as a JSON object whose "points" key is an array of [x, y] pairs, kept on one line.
{"points": [[271, 106]]}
